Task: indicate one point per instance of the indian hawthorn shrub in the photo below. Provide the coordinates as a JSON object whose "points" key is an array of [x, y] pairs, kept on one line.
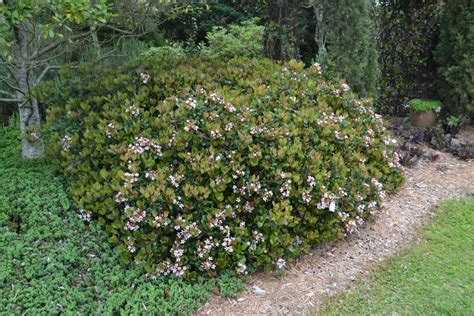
{"points": [[200, 166]]}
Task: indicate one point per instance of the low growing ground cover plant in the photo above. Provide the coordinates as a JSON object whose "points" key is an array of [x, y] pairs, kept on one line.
{"points": [[52, 262], [198, 166]]}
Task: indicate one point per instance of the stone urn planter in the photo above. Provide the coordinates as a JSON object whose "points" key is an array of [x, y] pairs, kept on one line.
{"points": [[422, 119], [423, 112]]}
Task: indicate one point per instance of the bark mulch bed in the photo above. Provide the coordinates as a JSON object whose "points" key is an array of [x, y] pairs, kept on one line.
{"points": [[335, 266]]}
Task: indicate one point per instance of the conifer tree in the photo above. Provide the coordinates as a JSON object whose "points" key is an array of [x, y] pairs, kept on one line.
{"points": [[346, 42], [455, 56]]}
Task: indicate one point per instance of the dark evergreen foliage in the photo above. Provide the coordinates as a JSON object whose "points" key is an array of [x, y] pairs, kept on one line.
{"points": [[455, 56]]}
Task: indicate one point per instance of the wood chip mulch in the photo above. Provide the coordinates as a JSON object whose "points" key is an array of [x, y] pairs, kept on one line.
{"points": [[335, 266]]}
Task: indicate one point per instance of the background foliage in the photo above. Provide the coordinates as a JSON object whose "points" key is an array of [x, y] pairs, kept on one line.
{"points": [[407, 37]]}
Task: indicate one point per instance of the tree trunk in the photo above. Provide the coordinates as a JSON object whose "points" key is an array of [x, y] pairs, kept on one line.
{"points": [[32, 145], [95, 42], [30, 120], [320, 33], [282, 38]]}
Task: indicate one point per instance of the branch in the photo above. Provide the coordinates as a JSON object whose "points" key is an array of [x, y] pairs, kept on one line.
{"points": [[8, 93], [119, 30], [55, 44], [44, 72], [9, 85], [10, 100]]}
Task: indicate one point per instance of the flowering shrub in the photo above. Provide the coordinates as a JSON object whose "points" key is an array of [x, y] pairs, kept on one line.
{"points": [[200, 166]]}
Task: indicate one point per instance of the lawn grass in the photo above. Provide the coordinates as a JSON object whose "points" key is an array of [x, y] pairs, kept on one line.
{"points": [[435, 277], [52, 263]]}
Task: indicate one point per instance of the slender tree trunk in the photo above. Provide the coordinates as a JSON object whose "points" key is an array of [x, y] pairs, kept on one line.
{"points": [[319, 34], [95, 42], [30, 120]]}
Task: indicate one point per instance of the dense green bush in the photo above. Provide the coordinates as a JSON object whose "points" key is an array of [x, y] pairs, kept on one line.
{"points": [[52, 262], [164, 51], [455, 55], [235, 40], [197, 166]]}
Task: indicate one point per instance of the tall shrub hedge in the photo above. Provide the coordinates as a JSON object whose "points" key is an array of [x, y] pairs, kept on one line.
{"points": [[197, 166]]}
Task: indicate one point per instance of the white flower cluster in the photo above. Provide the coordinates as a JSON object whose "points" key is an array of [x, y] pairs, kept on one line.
{"points": [[248, 207], [286, 188], [241, 268], [190, 127], [170, 268], [66, 142], [186, 232], [175, 180], [191, 103], [135, 217], [281, 263], [267, 195], [84, 215], [257, 130], [151, 175], [228, 127], [161, 221], [306, 196], [130, 179], [311, 181], [143, 144], [325, 119], [145, 77], [218, 219], [110, 130], [172, 139], [227, 243], [352, 225], [229, 107], [379, 187], [396, 161], [328, 201], [120, 197], [215, 134], [318, 68], [345, 87], [209, 243], [257, 238], [208, 264], [341, 192], [130, 245], [133, 109]]}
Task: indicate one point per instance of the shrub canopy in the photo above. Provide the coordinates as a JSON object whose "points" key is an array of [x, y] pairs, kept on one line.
{"points": [[197, 166]]}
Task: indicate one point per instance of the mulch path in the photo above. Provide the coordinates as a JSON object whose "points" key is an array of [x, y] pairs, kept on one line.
{"points": [[335, 266]]}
